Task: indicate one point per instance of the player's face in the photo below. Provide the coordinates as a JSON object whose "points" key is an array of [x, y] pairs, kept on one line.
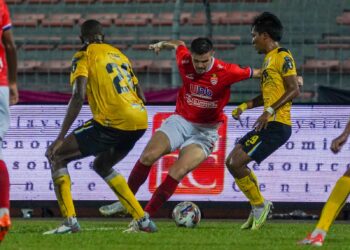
{"points": [[202, 62], [258, 41]]}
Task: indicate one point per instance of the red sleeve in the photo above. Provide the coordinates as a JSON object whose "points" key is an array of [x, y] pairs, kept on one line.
{"points": [[6, 21], [238, 73], [181, 53]]}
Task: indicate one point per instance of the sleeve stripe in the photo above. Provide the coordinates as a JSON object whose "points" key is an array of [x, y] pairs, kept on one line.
{"points": [[251, 72], [7, 27]]}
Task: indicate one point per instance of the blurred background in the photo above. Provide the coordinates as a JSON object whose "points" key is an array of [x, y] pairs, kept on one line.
{"points": [[316, 32]]}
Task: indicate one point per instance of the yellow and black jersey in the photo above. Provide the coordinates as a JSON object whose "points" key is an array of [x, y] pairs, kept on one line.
{"points": [[277, 64], [110, 89]]}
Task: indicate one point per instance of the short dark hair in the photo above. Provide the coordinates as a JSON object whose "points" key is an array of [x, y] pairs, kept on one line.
{"points": [[201, 45], [269, 23], [91, 28]]}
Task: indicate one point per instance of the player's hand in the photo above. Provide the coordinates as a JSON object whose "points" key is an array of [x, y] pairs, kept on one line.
{"points": [[236, 113], [13, 93], [262, 121], [300, 81], [156, 46], [338, 143], [51, 150]]}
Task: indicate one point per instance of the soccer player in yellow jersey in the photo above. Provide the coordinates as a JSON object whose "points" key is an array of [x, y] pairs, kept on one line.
{"points": [[336, 200], [104, 74], [279, 85]]}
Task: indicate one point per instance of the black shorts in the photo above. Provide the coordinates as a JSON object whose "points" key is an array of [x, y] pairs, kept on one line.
{"points": [[93, 138], [259, 145]]}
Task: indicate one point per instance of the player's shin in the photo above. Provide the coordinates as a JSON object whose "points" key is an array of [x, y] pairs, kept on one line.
{"points": [[161, 195], [249, 186], [119, 186], [335, 203], [4, 186], [62, 186], [138, 176]]}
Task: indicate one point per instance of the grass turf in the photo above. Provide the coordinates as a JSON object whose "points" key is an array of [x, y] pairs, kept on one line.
{"points": [[210, 234]]}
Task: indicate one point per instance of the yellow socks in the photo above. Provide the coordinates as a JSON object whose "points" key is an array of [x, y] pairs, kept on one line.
{"points": [[249, 186], [126, 197], [62, 185], [335, 203]]}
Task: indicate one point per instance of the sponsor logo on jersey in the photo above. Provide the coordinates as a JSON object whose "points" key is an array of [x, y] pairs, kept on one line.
{"points": [[200, 91], [200, 103]]}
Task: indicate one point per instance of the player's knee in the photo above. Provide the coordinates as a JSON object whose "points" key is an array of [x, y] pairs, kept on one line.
{"points": [[148, 158], [102, 172], [56, 159], [233, 165]]}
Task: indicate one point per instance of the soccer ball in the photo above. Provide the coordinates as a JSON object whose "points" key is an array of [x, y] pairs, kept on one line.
{"points": [[186, 214]]}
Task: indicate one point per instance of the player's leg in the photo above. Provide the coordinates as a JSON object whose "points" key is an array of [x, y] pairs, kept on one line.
{"points": [[189, 159], [5, 222], [330, 211], [256, 146], [158, 146], [195, 149], [165, 140], [67, 152], [246, 180], [103, 165]]}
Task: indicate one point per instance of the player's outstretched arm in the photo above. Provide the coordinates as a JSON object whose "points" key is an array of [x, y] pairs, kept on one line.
{"points": [[338, 142], [172, 44], [256, 73], [74, 106], [291, 91], [255, 102], [11, 59]]}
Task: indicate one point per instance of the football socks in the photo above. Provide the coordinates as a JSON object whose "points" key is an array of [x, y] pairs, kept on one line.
{"points": [[161, 195], [4, 186], [138, 176], [119, 186], [249, 186], [62, 185], [335, 203]]}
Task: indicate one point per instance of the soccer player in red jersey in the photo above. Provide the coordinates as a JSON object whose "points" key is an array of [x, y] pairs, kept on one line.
{"points": [[193, 128], [8, 95]]}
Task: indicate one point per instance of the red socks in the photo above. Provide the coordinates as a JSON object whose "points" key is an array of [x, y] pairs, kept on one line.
{"points": [[138, 176], [161, 195], [4, 186]]}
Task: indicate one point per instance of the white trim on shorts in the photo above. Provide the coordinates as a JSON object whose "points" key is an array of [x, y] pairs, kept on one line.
{"points": [[182, 133]]}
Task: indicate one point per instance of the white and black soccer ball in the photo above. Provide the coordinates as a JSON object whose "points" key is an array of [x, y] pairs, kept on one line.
{"points": [[186, 214]]}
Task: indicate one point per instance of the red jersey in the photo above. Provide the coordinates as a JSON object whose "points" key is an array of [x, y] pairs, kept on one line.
{"points": [[5, 24], [202, 97]]}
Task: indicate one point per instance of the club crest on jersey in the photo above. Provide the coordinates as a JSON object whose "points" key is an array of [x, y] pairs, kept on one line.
{"points": [[214, 79]]}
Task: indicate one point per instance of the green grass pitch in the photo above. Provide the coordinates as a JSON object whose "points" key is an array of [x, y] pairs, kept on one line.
{"points": [[210, 234]]}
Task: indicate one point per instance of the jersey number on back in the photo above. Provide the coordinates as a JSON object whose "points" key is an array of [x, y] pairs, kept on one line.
{"points": [[122, 74]]}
